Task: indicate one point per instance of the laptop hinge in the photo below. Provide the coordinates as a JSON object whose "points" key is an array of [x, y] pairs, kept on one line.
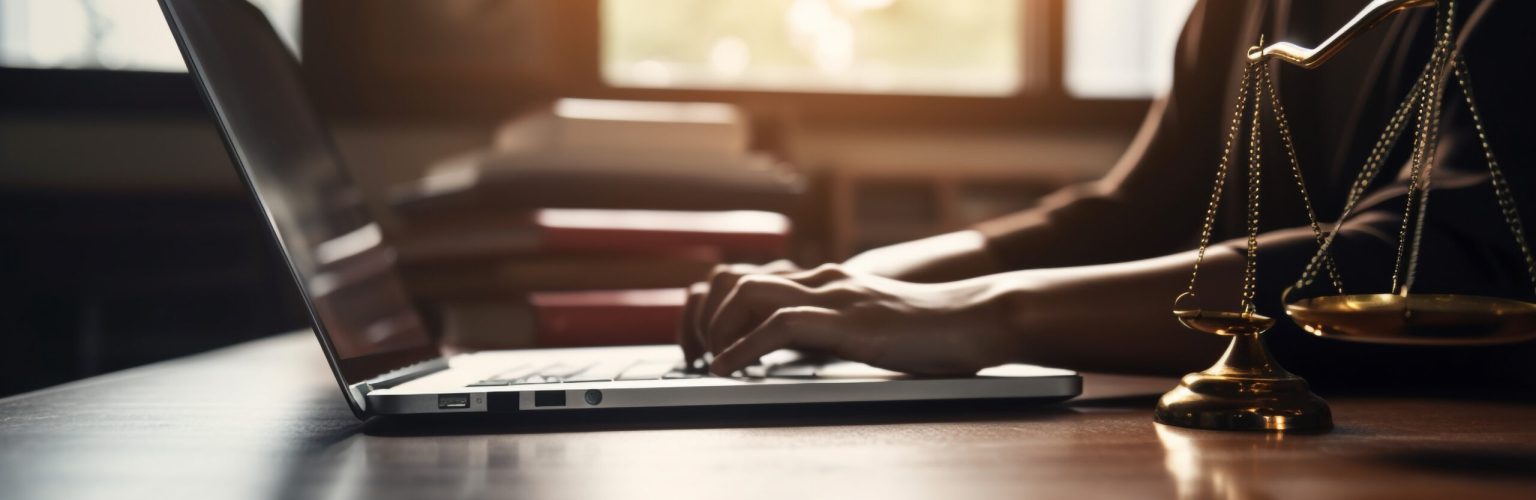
{"points": [[396, 377]]}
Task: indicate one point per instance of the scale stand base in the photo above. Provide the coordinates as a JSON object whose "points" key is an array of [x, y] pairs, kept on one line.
{"points": [[1244, 391]]}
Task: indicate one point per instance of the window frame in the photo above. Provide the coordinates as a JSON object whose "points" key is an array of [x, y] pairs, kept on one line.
{"points": [[353, 85], [350, 84]]}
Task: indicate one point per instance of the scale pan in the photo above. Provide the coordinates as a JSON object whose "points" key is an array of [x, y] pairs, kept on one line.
{"points": [[1223, 322], [1429, 319]]}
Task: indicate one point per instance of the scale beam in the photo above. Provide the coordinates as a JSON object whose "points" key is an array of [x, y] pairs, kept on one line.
{"points": [[1368, 17]]}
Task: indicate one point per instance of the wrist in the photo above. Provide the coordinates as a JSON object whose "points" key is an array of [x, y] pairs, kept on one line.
{"points": [[1002, 307]]}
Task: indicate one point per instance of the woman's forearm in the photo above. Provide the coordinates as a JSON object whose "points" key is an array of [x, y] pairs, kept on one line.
{"points": [[1114, 317]]}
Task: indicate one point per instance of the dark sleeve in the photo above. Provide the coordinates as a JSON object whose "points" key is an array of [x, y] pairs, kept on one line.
{"points": [[1163, 176]]}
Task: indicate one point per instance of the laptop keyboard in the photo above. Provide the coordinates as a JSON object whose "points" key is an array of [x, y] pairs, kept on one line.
{"points": [[604, 371], [613, 369]]}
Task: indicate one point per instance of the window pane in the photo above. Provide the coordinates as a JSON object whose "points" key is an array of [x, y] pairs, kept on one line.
{"points": [[936, 47], [1122, 48], [106, 34]]}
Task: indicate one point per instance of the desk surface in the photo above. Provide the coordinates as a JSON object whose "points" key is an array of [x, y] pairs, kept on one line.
{"points": [[265, 420]]}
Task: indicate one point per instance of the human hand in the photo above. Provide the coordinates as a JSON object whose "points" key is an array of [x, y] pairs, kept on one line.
{"points": [[928, 329], [724, 277]]}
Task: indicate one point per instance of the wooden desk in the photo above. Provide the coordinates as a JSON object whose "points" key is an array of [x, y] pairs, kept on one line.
{"points": [[265, 420]]}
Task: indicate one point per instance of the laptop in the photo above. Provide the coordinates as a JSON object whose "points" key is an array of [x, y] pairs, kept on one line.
{"points": [[378, 347]]}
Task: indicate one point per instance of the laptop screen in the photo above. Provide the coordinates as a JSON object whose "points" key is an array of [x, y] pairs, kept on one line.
{"points": [[337, 253]]}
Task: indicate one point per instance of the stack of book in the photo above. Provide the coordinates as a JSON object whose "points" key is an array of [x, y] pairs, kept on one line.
{"points": [[581, 153], [585, 221]]}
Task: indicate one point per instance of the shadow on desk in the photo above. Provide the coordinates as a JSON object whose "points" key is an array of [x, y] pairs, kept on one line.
{"points": [[719, 417]]}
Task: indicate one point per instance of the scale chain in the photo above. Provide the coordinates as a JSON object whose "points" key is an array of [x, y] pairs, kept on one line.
{"points": [[1283, 125], [1427, 89], [1255, 168], [1257, 79], [1425, 143], [1221, 177], [1373, 163], [1431, 149], [1496, 175]]}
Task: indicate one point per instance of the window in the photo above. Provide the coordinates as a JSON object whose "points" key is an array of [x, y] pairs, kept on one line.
{"points": [[1122, 48], [106, 34], [1114, 49], [927, 47]]}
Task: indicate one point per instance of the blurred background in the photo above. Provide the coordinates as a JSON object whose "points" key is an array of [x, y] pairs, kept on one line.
{"points": [[721, 130]]}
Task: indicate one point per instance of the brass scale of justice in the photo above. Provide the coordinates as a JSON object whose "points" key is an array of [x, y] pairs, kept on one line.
{"points": [[1246, 389]]}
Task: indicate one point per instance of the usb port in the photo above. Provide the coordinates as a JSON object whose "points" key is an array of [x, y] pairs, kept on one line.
{"points": [[548, 398], [452, 401]]}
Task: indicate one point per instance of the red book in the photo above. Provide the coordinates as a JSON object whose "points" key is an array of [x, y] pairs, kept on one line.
{"points": [[592, 178], [611, 317], [517, 275], [737, 235]]}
